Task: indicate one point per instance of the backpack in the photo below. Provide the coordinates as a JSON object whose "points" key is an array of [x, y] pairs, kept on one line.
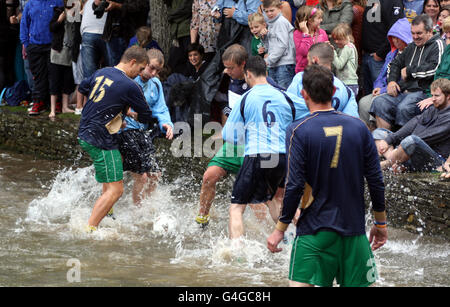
{"points": [[14, 95]]}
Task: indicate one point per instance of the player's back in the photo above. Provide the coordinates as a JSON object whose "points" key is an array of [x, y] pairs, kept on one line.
{"points": [[336, 151]]}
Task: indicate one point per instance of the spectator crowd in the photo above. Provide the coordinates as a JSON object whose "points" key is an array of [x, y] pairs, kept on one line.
{"points": [[388, 53]]}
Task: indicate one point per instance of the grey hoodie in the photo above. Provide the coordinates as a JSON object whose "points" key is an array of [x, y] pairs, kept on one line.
{"points": [[280, 42]]}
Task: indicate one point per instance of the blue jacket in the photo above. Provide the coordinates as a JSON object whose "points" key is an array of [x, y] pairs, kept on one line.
{"points": [[35, 22], [402, 30], [154, 96], [243, 9]]}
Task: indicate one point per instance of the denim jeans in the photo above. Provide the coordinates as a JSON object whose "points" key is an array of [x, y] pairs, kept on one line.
{"points": [[115, 49], [370, 70], [397, 110], [421, 156], [282, 75], [92, 49]]}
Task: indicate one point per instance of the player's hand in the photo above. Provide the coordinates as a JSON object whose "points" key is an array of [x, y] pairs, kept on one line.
{"points": [[273, 240], [377, 237], [169, 131]]}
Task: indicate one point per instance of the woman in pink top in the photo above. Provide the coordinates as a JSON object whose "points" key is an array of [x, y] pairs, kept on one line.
{"points": [[307, 32]]}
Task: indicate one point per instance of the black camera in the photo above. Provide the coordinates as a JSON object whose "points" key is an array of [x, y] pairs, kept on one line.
{"points": [[100, 9]]}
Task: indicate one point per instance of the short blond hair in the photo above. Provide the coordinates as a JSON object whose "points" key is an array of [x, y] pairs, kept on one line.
{"points": [[256, 18], [342, 31], [271, 3]]}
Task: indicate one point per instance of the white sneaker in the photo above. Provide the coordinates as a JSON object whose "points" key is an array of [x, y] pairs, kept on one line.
{"points": [[78, 111]]}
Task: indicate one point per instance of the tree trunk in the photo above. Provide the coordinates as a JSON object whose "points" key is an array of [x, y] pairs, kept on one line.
{"points": [[160, 25]]}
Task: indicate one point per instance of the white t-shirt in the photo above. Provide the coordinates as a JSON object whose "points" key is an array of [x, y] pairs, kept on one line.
{"points": [[90, 23]]}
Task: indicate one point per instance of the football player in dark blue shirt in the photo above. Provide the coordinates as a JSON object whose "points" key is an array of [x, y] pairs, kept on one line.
{"points": [[331, 153], [110, 92]]}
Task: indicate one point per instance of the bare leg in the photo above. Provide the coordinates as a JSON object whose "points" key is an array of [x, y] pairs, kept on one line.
{"points": [[53, 99], [236, 223], [65, 104], [112, 191], [298, 284], [260, 211], [212, 175], [275, 204]]}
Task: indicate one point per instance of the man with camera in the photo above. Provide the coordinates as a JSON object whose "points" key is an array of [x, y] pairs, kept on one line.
{"points": [[122, 20]]}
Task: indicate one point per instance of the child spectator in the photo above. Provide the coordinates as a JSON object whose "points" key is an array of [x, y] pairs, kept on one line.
{"points": [[60, 70], [345, 57], [144, 39], [280, 57], [307, 32], [258, 27]]}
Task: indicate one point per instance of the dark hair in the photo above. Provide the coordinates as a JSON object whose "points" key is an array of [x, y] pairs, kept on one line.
{"points": [[196, 47], [426, 2], [135, 53], [425, 19], [323, 51], [318, 83], [256, 65]]}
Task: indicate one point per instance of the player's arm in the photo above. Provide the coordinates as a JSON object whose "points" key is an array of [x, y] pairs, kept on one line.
{"points": [[136, 100], [234, 130]]}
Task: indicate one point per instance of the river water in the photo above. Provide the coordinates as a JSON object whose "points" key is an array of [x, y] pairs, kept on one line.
{"points": [[44, 206]]}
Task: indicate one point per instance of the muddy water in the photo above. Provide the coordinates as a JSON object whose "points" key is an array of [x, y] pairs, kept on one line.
{"points": [[44, 207]]}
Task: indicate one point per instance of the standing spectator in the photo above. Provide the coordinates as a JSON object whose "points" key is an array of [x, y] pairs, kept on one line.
{"points": [[280, 57], [180, 13], [124, 17], [285, 8], [307, 32], [416, 67], [432, 9], [61, 56], [93, 47], [378, 19], [36, 36], [8, 40], [358, 13], [345, 57], [413, 8], [334, 13], [258, 28], [203, 28]]}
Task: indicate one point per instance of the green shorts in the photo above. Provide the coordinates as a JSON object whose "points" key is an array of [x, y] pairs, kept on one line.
{"points": [[319, 259], [107, 163], [230, 157]]}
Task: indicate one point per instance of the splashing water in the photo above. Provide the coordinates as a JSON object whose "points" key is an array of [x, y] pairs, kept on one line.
{"points": [[159, 243]]}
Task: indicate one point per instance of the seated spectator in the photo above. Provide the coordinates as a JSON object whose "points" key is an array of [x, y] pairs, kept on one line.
{"points": [[423, 142], [413, 8], [345, 57], [196, 64], [258, 28], [375, 44], [432, 9], [307, 32], [144, 39], [203, 28], [334, 13], [280, 57], [416, 66], [443, 14], [399, 37]]}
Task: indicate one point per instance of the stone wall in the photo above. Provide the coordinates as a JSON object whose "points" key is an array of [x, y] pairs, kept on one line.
{"points": [[417, 202]]}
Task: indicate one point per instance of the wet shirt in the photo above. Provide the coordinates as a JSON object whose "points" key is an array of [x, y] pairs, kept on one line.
{"points": [[332, 153], [109, 92]]}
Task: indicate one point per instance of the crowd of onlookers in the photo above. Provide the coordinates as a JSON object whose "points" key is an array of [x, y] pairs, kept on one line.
{"points": [[387, 52]]}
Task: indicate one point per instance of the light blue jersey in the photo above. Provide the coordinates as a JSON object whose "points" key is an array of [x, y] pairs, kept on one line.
{"points": [[260, 118], [343, 99], [154, 96]]}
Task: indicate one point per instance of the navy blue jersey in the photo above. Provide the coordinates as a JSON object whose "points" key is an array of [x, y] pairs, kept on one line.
{"points": [[331, 153], [109, 91]]}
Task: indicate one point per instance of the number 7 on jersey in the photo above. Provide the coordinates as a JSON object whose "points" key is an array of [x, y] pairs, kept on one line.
{"points": [[334, 131]]}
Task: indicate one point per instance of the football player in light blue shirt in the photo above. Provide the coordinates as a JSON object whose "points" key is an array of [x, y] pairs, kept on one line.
{"points": [[259, 120], [136, 143], [343, 99]]}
